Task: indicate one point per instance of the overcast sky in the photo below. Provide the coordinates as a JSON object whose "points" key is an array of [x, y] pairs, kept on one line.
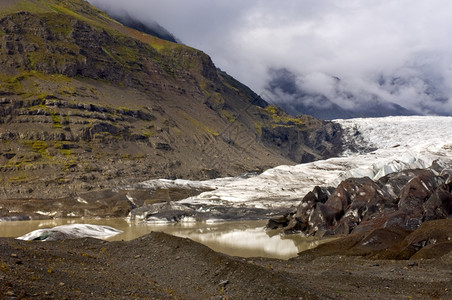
{"points": [[399, 50]]}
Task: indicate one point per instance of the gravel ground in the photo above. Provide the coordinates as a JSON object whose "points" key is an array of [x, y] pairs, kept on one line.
{"points": [[160, 266]]}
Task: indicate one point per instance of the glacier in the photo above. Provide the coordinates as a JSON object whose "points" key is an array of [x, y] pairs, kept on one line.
{"points": [[374, 147]]}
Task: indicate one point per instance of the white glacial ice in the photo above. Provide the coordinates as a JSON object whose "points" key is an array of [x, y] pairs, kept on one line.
{"points": [[401, 143], [72, 231]]}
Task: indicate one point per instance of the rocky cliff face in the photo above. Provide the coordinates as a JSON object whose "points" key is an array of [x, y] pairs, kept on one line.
{"points": [[87, 103]]}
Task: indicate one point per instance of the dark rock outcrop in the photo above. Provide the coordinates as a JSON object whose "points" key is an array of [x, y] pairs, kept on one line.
{"points": [[321, 137], [106, 203], [358, 205]]}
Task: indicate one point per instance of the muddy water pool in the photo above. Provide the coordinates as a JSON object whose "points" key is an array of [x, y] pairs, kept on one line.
{"points": [[244, 238]]}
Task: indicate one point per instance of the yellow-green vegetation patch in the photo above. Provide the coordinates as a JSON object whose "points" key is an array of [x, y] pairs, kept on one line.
{"points": [[71, 12], [156, 43], [126, 53], [203, 86], [185, 56], [65, 10], [56, 118], [18, 178], [59, 78], [38, 146], [12, 84], [214, 98], [200, 125], [66, 152], [60, 58], [159, 44], [69, 163], [94, 91], [29, 84], [180, 57], [16, 162], [218, 98], [282, 119], [106, 51], [271, 109], [149, 132], [57, 25], [258, 127], [123, 109], [49, 78], [38, 75], [41, 105], [3, 266], [228, 114], [60, 146]]}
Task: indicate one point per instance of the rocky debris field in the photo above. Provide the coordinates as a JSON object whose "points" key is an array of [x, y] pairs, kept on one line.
{"points": [[107, 203], [160, 266]]}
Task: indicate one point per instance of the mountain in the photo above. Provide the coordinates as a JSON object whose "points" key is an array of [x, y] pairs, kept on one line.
{"points": [[286, 90], [87, 103]]}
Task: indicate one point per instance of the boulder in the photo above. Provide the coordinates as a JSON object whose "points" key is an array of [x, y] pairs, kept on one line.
{"points": [[279, 222], [301, 221], [439, 205]]}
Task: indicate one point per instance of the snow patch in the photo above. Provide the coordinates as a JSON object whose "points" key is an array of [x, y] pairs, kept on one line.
{"points": [[47, 213], [130, 198], [81, 200], [188, 220]]}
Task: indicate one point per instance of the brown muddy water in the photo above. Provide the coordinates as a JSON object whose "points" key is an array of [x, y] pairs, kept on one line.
{"points": [[244, 238]]}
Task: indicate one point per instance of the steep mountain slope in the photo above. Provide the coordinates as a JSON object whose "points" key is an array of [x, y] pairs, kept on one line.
{"points": [[87, 103]]}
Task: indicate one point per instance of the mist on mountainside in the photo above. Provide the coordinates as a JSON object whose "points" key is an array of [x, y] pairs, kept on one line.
{"points": [[327, 97], [148, 26]]}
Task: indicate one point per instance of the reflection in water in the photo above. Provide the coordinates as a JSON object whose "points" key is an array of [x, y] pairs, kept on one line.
{"points": [[245, 239]]}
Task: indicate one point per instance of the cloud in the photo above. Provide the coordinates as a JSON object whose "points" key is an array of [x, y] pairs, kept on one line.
{"points": [[398, 51]]}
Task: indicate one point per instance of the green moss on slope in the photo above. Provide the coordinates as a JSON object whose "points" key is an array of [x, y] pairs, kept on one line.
{"points": [[280, 118]]}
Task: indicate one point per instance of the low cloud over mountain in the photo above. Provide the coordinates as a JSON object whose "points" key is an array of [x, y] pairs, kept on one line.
{"points": [[146, 25], [345, 54], [326, 97]]}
